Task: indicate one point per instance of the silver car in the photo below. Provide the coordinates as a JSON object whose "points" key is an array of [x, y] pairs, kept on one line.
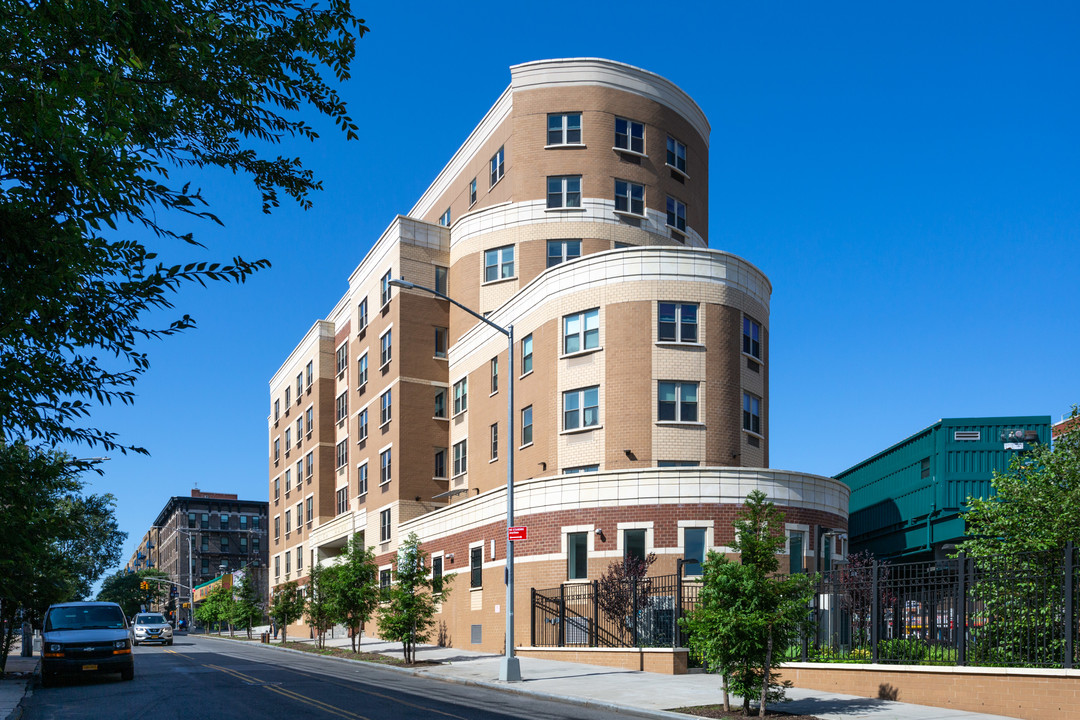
{"points": [[152, 627]]}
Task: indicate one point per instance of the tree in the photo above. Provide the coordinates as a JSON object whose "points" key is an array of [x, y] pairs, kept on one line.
{"points": [[57, 541], [746, 611], [408, 616], [247, 610], [624, 588], [126, 589], [320, 602], [217, 608], [855, 582], [286, 606], [109, 108], [355, 588]]}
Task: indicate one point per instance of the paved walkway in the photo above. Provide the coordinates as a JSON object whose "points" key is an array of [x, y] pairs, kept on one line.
{"points": [[16, 682]]}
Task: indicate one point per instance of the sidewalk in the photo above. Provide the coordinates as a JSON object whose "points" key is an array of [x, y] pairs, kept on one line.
{"points": [[16, 682], [635, 692]]}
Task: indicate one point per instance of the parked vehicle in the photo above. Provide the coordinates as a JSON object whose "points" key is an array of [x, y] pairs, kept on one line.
{"points": [[85, 637], [152, 627]]}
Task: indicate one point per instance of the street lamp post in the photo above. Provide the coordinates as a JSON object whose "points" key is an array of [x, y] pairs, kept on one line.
{"points": [[510, 668], [191, 591]]}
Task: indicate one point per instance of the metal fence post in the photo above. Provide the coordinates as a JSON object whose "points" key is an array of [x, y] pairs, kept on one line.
{"points": [[532, 617], [1070, 604], [961, 610], [633, 594], [594, 640], [875, 611], [676, 634], [562, 616]]}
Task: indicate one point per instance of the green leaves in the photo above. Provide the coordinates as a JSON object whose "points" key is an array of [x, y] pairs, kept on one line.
{"points": [[408, 616]]}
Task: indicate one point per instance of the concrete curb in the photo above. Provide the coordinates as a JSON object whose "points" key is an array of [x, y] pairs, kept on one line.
{"points": [[500, 686]]}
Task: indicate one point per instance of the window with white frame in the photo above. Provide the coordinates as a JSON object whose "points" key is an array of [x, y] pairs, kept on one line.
{"points": [[494, 375], [384, 580], [277, 490], [299, 385], [342, 406], [461, 457], [287, 563], [677, 402], [440, 342], [476, 566], [299, 558], [440, 463], [309, 465], [362, 372], [440, 279], [629, 197], [342, 358], [559, 251], [310, 503], [527, 354], [634, 545], [461, 395], [564, 129], [288, 521], [288, 440], [472, 192], [361, 314], [277, 410], [676, 214], [385, 408], [581, 331], [498, 165], [384, 288], [384, 528], [440, 403], [277, 450], [444, 219], [527, 425], [277, 565], [629, 135], [751, 337], [299, 430], [498, 263], [677, 463], [577, 555], [693, 550], [309, 419], [277, 527], [310, 373], [342, 453], [385, 466], [342, 500], [362, 479], [564, 191], [676, 154], [751, 416], [581, 408], [578, 469], [796, 560], [385, 348], [287, 400], [288, 481], [495, 441], [362, 425]]}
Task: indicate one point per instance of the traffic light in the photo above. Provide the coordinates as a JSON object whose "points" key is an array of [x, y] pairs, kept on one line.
{"points": [[144, 585]]}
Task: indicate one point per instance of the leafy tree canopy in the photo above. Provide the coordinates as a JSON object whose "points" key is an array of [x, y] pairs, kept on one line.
{"points": [[287, 606], [125, 589], [101, 103], [355, 587], [408, 615]]}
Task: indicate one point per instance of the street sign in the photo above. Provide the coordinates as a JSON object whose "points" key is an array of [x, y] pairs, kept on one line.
{"points": [[518, 532]]}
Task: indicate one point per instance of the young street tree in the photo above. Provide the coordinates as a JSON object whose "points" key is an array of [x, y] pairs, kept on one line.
{"points": [[413, 597], [747, 614], [355, 588], [108, 109], [287, 606], [246, 610], [218, 608], [321, 605]]}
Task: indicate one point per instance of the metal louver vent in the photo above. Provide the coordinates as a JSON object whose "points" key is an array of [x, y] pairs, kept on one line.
{"points": [[967, 435]]}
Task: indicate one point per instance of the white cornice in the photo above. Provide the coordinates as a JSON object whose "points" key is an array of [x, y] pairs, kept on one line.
{"points": [[321, 330]]}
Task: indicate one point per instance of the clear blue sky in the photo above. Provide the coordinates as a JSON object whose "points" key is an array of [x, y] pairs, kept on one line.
{"points": [[906, 174]]}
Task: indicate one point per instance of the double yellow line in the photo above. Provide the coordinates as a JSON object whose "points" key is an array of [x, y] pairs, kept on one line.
{"points": [[325, 707]]}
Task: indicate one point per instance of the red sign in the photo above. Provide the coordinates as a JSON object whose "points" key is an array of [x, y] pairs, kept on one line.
{"points": [[518, 532]]}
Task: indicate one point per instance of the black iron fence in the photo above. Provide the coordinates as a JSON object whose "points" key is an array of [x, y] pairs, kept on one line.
{"points": [[1021, 610]]}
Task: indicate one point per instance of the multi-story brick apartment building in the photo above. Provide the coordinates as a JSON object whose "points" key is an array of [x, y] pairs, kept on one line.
{"points": [[576, 211], [195, 539]]}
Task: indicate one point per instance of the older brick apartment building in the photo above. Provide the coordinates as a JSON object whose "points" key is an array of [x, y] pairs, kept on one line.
{"points": [[576, 211]]}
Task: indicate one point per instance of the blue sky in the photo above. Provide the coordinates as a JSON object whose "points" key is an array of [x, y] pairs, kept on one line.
{"points": [[907, 175]]}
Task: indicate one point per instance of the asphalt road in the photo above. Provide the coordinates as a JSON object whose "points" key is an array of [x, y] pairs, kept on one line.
{"points": [[198, 678]]}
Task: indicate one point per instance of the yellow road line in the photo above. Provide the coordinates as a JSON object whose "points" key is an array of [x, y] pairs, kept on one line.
{"points": [[381, 695], [325, 707]]}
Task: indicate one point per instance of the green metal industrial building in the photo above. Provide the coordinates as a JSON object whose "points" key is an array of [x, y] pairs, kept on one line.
{"points": [[907, 500]]}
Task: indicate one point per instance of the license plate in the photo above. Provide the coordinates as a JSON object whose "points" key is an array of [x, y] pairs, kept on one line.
{"points": [[89, 667]]}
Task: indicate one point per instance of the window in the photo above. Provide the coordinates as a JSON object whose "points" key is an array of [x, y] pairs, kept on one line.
{"points": [[361, 313], [288, 521], [476, 566], [191, 516], [562, 250], [287, 401], [629, 135], [288, 483], [277, 450], [564, 191], [287, 564], [581, 331], [751, 337], [384, 528], [361, 380], [255, 544], [581, 469], [342, 406], [277, 492], [461, 459], [577, 556], [204, 521], [309, 465], [676, 463], [461, 395], [440, 403], [440, 463], [499, 263], [581, 408], [384, 288], [498, 164], [362, 425], [677, 402], [361, 485], [277, 566], [526, 426], [634, 544], [299, 516], [277, 410], [299, 386], [495, 441], [676, 214], [288, 440], [342, 453], [310, 373], [384, 581], [299, 430], [436, 573], [224, 543], [472, 192], [342, 358], [204, 545], [693, 551], [440, 279], [309, 416], [795, 553], [564, 129], [385, 348], [629, 197], [751, 416], [444, 219], [299, 558], [676, 154], [526, 355], [255, 519], [342, 500], [440, 342], [309, 503], [924, 468], [243, 544], [494, 375], [385, 468], [243, 522], [385, 408]]}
